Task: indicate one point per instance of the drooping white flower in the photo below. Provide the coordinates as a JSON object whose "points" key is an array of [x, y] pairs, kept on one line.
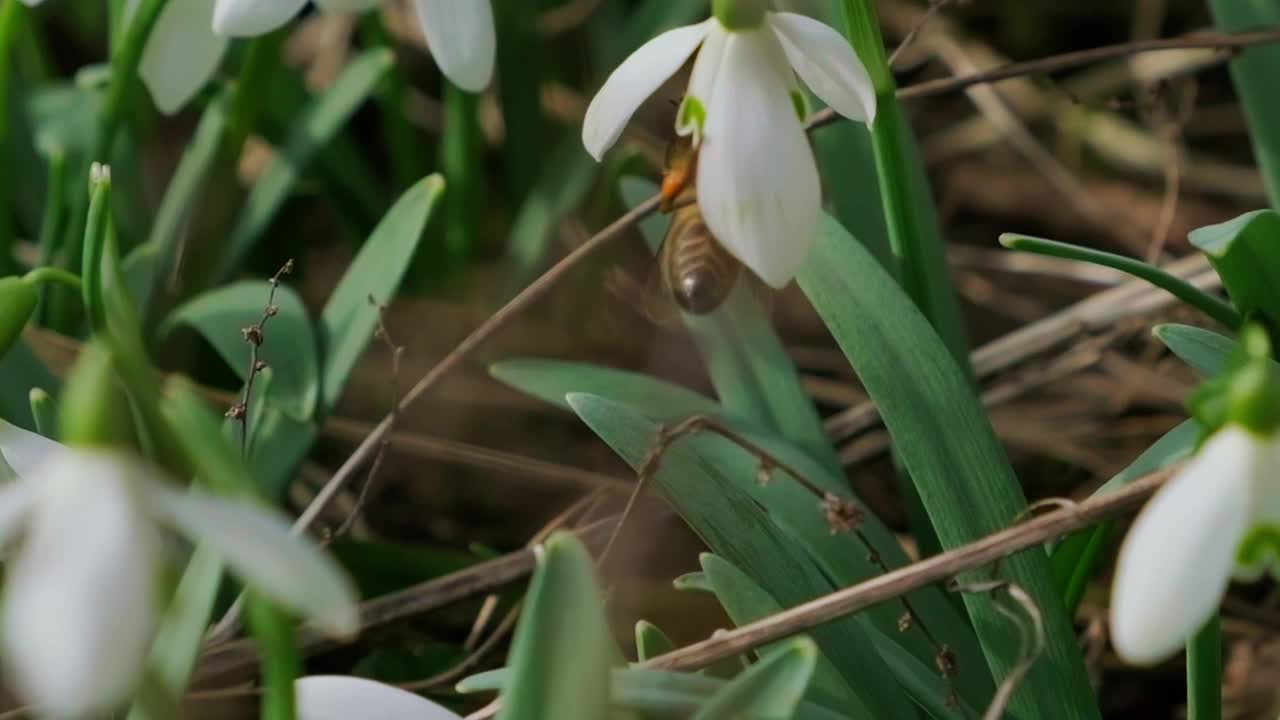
{"points": [[338, 697], [80, 595], [1218, 517], [191, 37], [757, 183]]}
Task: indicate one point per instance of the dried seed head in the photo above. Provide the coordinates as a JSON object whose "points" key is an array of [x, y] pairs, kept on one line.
{"points": [[236, 412], [259, 366], [946, 661], [272, 310], [764, 473], [906, 621], [287, 268], [252, 335], [842, 515]]}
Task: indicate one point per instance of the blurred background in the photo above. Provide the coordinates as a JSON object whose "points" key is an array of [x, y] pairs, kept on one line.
{"points": [[1124, 155]]}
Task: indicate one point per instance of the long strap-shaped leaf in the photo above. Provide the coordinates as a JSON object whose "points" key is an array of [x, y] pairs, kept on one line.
{"points": [[947, 444], [1254, 73]]}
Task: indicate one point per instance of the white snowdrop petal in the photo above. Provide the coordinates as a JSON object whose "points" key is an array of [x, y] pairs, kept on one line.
{"points": [[758, 182], [339, 697], [1177, 559], [15, 502], [248, 18], [80, 596], [460, 34], [702, 80], [353, 6], [24, 450], [182, 53], [638, 77], [1259, 552], [257, 544], [825, 61]]}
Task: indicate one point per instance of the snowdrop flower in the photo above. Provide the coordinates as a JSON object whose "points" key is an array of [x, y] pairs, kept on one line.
{"points": [[757, 181], [1218, 517], [81, 595], [337, 697], [191, 37]]}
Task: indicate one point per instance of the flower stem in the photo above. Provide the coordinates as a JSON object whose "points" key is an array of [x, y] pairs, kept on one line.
{"points": [[281, 663], [904, 192], [1204, 672], [1215, 308], [124, 72], [12, 13]]}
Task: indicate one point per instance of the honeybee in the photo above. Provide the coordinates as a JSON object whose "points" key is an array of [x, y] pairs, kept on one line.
{"points": [[696, 270]]}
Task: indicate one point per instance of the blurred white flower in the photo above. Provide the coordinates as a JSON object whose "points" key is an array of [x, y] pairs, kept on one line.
{"points": [[191, 37], [757, 182], [338, 697], [1218, 517], [80, 594]]}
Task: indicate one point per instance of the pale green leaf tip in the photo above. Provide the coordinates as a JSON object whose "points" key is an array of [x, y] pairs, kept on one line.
{"points": [[1010, 240]]}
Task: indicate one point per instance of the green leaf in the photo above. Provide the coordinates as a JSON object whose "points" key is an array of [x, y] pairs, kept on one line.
{"points": [[22, 370], [1253, 70], [349, 320], [1076, 557], [1246, 254], [697, 477], [693, 582], [289, 346], [841, 557], [1205, 351], [752, 373], [768, 690], [746, 602], [312, 131], [651, 641], [658, 694], [562, 652], [947, 445]]}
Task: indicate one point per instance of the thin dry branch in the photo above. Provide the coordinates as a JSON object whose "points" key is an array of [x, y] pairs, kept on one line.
{"points": [[899, 582]]}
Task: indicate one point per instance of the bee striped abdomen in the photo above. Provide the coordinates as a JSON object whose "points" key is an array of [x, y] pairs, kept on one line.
{"points": [[699, 272]]}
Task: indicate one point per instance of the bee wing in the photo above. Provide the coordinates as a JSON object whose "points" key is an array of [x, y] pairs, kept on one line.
{"points": [[648, 297]]}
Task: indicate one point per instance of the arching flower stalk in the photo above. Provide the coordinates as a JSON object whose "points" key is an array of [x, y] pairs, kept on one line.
{"points": [[757, 182]]}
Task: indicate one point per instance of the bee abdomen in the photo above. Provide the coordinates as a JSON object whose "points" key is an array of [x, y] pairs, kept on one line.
{"points": [[702, 273]]}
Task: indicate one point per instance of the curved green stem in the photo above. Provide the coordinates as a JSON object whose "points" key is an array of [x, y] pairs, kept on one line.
{"points": [[49, 274], [1215, 308], [95, 237]]}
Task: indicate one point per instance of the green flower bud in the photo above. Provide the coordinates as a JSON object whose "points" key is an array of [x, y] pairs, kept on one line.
{"points": [[740, 15], [18, 300], [1253, 397]]}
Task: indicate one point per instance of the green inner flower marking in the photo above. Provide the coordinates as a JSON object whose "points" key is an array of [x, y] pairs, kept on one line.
{"points": [[801, 104], [1260, 549], [691, 116]]}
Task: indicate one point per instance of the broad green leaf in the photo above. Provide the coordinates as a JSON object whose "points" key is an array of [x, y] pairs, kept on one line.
{"points": [[1253, 70], [1204, 350], [289, 345], [311, 132], [1076, 557], [1246, 253], [768, 690], [693, 582], [651, 641], [181, 195], [745, 602], [562, 653], [280, 443], [947, 445], [841, 557], [752, 373], [349, 319], [694, 477], [660, 695]]}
